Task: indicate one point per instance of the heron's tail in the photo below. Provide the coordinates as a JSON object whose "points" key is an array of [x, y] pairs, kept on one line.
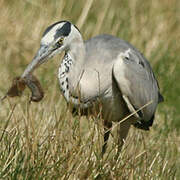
{"points": [[144, 125], [160, 98]]}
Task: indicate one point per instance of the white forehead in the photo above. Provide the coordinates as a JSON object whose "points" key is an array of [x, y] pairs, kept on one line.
{"points": [[49, 36]]}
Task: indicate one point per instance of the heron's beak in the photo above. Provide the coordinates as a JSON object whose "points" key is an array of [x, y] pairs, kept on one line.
{"points": [[40, 57]]}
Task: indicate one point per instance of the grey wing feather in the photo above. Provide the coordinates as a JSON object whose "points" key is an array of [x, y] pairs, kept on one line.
{"points": [[137, 83], [132, 73]]}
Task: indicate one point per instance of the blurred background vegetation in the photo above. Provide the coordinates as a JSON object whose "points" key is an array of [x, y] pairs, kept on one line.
{"points": [[151, 26]]}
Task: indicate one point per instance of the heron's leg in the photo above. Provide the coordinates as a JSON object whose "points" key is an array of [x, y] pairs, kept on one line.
{"points": [[107, 126], [122, 133]]}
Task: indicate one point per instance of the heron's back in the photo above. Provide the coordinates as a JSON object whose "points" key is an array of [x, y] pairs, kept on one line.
{"points": [[101, 53], [104, 48]]}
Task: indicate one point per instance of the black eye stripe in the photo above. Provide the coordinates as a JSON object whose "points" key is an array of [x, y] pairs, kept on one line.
{"points": [[51, 26], [63, 31]]}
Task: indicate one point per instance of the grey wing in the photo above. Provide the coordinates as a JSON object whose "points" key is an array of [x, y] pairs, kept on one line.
{"points": [[138, 86]]}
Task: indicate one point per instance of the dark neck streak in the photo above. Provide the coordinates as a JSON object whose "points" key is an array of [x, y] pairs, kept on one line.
{"points": [[63, 75]]}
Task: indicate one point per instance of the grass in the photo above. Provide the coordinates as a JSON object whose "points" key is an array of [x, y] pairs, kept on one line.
{"points": [[42, 140]]}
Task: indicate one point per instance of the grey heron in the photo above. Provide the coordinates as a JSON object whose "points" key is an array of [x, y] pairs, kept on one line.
{"points": [[104, 73]]}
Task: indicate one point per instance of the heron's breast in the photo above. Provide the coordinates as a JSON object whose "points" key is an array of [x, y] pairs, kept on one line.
{"points": [[94, 83]]}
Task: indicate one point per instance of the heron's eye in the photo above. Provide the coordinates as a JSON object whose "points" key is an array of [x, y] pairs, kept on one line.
{"points": [[60, 42]]}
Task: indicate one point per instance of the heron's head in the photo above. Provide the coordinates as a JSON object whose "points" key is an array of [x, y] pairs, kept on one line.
{"points": [[56, 38]]}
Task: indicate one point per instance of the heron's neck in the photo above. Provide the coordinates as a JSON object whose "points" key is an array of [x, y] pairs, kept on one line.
{"points": [[77, 54], [71, 69]]}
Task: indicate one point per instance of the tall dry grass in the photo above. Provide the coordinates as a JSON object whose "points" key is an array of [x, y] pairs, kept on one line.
{"points": [[42, 140]]}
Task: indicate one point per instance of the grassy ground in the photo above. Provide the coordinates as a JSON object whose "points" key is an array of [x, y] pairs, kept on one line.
{"points": [[42, 140]]}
